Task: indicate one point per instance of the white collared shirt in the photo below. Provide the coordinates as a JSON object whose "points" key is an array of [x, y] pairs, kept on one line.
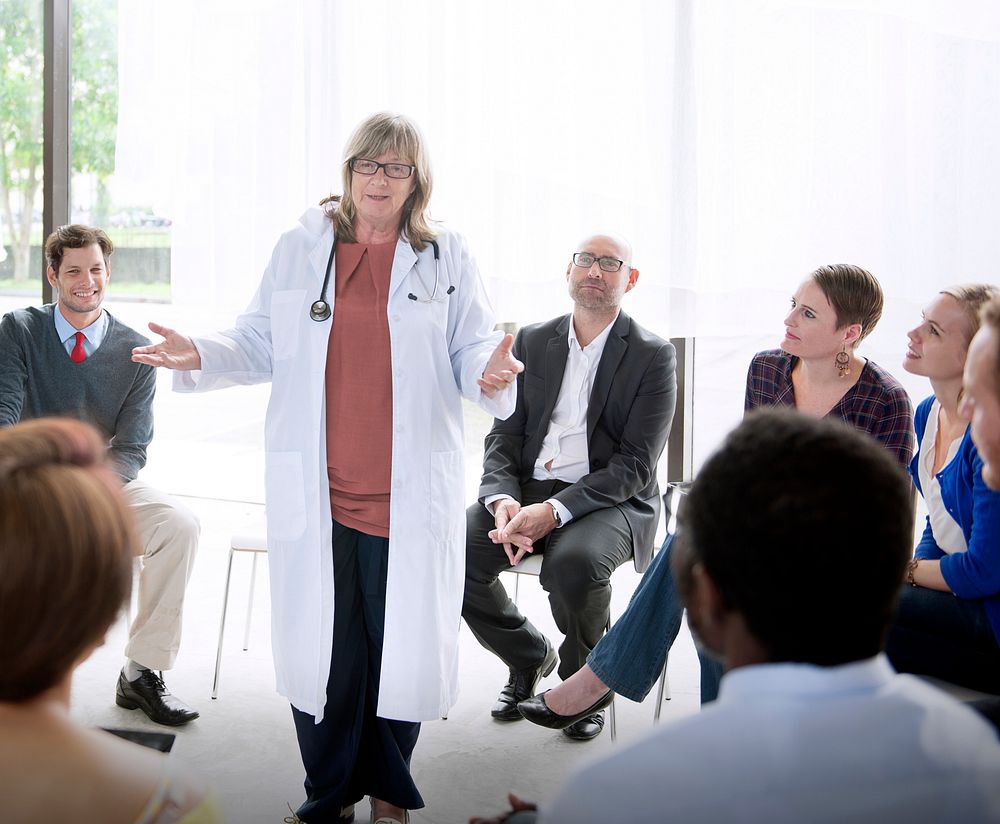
{"points": [[801, 743], [564, 454], [93, 334]]}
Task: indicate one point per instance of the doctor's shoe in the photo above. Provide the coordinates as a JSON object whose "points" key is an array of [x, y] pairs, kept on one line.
{"points": [[149, 694], [521, 685], [586, 728]]}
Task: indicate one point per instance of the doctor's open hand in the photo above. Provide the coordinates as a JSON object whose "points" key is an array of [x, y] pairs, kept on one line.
{"points": [[501, 369], [175, 351]]}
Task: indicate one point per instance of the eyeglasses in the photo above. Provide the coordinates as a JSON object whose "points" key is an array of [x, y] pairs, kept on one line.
{"points": [[608, 264], [398, 171]]}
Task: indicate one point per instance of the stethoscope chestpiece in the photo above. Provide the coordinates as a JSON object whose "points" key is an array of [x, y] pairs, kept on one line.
{"points": [[320, 311]]}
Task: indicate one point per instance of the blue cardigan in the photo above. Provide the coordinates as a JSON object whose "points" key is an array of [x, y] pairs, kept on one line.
{"points": [[975, 574]]}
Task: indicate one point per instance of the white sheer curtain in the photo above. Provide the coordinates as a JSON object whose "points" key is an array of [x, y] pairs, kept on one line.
{"points": [[738, 145], [836, 132]]}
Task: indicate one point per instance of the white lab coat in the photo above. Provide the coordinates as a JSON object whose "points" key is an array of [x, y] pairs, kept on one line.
{"points": [[438, 351]]}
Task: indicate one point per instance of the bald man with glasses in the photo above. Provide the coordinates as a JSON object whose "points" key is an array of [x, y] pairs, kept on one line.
{"points": [[571, 475]]}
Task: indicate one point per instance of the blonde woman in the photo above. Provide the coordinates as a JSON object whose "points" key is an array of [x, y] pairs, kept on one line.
{"points": [[948, 621]]}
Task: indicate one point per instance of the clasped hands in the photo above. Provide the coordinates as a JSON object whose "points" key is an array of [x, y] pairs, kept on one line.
{"points": [[519, 527]]}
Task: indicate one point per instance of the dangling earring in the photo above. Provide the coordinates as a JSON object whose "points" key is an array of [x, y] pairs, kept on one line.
{"points": [[843, 362]]}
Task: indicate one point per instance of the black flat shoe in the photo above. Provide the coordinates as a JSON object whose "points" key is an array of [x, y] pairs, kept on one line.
{"points": [[586, 728], [520, 685], [149, 694], [537, 712]]}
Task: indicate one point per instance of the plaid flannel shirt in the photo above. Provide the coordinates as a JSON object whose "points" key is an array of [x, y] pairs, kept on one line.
{"points": [[876, 404]]}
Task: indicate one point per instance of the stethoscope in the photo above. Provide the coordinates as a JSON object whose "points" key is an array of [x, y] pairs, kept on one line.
{"points": [[320, 310]]}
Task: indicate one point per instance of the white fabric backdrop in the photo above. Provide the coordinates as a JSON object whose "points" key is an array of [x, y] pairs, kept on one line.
{"points": [[737, 144]]}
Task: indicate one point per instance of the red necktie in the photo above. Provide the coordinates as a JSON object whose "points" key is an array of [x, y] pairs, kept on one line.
{"points": [[78, 355]]}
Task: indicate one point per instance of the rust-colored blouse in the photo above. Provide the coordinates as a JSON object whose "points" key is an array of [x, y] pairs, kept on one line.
{"points": [[359, 389]]}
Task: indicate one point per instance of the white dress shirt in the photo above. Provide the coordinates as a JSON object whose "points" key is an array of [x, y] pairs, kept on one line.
{"points": [[800, 743], [564, 454]]}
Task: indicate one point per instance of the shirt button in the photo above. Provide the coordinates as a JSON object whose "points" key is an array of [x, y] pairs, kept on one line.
{"points": [[395, 317]]}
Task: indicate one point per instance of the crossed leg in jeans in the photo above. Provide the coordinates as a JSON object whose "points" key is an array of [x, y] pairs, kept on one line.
{"points": [[631, 656]]}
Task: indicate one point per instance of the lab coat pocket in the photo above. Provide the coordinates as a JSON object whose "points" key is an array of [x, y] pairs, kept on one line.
{"points": [[287, 307], [286, 495], [447, 499]]}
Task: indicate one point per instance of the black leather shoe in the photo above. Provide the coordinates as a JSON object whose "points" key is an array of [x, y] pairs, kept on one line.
{"points": [[149, 694], [586, 728], [521, 685], [537, 712]]}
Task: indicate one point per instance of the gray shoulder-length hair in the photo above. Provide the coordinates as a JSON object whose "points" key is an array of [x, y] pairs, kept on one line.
{"points": [[380, 133]]}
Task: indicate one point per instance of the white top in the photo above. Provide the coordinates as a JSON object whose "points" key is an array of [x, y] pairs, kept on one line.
{"points": [[947, 531], [801, 743]]}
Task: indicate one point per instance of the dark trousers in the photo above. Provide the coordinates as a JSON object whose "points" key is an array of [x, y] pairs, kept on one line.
{"points": [[352, 752], [934, 633], [578, 560]]}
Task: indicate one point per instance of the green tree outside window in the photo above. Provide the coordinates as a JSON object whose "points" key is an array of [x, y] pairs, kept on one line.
{"points": [[94, 107]]}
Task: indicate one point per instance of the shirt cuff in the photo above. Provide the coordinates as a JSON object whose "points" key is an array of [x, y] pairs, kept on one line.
{"points": [[502, 405], [489, 500], [565, 516]]}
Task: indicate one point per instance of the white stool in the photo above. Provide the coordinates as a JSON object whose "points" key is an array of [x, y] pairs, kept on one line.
{"points": [[255, 543], [531, 564]]}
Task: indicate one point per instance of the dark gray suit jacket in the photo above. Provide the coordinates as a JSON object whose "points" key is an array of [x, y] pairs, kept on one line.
{"points": [[628, 421]]}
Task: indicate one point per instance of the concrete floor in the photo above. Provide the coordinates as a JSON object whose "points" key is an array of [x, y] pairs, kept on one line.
{"points": [[207, 450], [244, 742]]}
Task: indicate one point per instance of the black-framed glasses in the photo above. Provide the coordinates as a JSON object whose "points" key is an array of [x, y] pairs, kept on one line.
{"points": [[608, 264], [397, 171]]}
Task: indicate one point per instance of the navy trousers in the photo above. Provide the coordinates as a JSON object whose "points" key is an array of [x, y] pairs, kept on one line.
{"points": [[352, 752], [935, 633]]}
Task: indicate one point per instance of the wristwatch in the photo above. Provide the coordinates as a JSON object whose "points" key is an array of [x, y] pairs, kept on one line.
{"points": [[555, 514]]}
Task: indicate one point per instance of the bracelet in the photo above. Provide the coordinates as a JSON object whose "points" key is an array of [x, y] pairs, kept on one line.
{"points": [[911, 567]]}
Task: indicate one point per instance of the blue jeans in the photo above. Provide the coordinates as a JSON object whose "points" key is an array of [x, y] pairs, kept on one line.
{"points": [[631, 656]]}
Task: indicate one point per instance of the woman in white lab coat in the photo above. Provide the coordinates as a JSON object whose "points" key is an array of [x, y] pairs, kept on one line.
{"points": [[371, 325]]}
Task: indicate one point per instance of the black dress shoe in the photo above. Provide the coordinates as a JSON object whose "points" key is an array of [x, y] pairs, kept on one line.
{"points": [[537, 712], [586, 728], [149, 694], [521, 685]]}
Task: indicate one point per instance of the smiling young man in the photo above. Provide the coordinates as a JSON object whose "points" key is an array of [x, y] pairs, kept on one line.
{"points": [[72, 358], [571, 475]]}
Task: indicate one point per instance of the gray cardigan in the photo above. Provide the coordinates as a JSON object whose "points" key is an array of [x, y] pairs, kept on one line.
{"points": [[107, 390]]}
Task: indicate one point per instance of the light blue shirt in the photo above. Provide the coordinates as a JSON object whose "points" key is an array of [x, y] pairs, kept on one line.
{"points": [[94, 334], [793, 743]]}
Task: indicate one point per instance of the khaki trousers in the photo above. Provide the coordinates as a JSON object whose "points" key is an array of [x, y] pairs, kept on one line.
{"points": [[168, 534]]}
